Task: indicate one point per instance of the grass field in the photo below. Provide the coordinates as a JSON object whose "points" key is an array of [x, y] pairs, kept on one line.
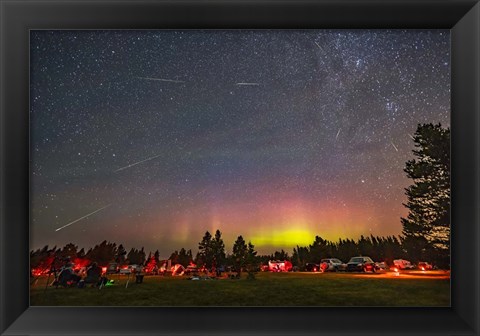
{"points": [[268, 289]]}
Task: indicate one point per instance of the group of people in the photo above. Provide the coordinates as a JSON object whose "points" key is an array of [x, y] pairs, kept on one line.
{"points": [[68, 277], [94, 276]]}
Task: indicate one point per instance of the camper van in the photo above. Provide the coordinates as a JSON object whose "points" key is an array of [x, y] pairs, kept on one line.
{"points": [[279, 266]]}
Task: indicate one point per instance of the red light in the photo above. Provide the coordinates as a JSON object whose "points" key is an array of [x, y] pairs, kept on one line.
{"points": [[423, 268], [104, 269], [314, 269], [38, 271]]}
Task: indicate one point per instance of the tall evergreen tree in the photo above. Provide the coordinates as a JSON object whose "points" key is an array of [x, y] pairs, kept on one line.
{"points": [[427, 226], [142, 256], [174, 257], [239, 254], [199, 259], [300, 257], [184, 257], [205, 250], [133, 256], [121, 253], [251, 261], [318, 250], [218, 249]]}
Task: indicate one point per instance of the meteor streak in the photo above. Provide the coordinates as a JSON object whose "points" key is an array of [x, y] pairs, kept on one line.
{"points": [[252, 84], [162, 79], [394, 146], [79, 219], [411, 136], [136, 163], [337, 134], [318, 45]]}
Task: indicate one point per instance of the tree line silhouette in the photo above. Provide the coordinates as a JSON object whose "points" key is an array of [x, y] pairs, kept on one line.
{"points": [[243, 255]]}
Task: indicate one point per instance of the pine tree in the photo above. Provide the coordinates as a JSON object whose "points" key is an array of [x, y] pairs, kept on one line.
{"points": [[205, 250], [141, 256], [317, 250], [239, 254], [184, 257], [218, 249], [120, 257], [300, 256], [133, 256], [427, 226], [251, 261], [199, 259]]}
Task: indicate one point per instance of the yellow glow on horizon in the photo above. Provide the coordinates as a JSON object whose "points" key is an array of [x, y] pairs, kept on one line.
{"points": [[288, 237]]}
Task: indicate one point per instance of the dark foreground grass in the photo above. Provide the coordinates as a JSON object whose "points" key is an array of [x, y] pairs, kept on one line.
{"points": [[268, 289]]}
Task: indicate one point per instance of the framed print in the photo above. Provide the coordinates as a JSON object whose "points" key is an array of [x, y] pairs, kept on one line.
{"points": [[240, 164], [153, 142]]}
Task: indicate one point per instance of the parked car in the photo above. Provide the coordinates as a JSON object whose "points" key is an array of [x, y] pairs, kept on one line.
{"points": [[361, 264], [402, 264], [128, 269], [332, 265], [312, 267], [112, 268], [424, 266]]}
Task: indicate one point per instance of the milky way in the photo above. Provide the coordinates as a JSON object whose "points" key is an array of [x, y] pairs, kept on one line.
{"points": [[275, 135]]}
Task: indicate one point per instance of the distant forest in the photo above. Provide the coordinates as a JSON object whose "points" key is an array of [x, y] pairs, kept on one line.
{"points": [[212, 253]]}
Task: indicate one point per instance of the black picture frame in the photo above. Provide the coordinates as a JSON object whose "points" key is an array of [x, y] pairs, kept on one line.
{"points": [[17, 17]]}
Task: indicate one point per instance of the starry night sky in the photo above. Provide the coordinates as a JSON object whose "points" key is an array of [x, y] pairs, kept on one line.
{"points": [[275, 135]]}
